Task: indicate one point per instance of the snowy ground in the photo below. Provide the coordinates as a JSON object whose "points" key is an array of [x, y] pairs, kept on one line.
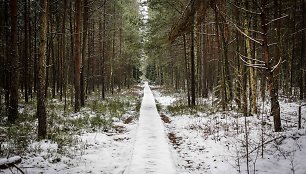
{"points": [[103, 144], [202, 141], [212, 142], [100, 153], [95, 153]]}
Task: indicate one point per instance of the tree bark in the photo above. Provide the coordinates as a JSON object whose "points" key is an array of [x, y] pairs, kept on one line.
{"points": [[238, 82], [26, 51], [275, 109], [63, 53], [204, 63], [35, 49], [253, 103], [41, 106], [186, 71], [192, 68], [77, 58], [14, 65], [102, 35], [113, 51], [85, 30], [103, 51], [302, 79]]}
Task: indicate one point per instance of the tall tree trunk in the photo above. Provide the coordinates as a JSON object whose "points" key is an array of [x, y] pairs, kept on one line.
{"points": [[52, 53], [41, 106], [293, 54], [103, 51], [14, 94], [221, 62], [244, 90], [77, 58], [85, 27], [120, 80], [26, 51], [71, 61], [238, 82], [227, 75], [113, 52], [204, 63], [275, 109], [6, 60], [35, 49], [199, 80], [102, 35], [186, 70], [251, 72], [90, 49], [192, 68], [302, 79], [63, 52]]}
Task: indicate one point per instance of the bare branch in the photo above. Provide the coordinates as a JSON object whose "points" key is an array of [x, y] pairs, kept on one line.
{"points": [[261, 66], [273, 20], [255, 31], [275, 66], [267, 142], [243, 33], [297, 32], [208, 34], [250, 58], [272, 44], [230, 42], [243, 9]]}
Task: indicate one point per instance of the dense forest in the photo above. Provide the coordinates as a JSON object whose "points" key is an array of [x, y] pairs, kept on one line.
{"points": [[66, 50], [241, 51], [105, 86]]}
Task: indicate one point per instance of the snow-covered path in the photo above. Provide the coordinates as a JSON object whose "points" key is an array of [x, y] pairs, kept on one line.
{"points": [[151, 150]]}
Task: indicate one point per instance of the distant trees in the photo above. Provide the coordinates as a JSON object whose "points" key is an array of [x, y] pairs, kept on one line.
{"points": [[66, 50], [242, 49]]}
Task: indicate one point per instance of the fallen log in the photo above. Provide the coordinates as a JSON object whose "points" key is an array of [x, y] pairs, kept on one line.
{"points": [[9, 162]]}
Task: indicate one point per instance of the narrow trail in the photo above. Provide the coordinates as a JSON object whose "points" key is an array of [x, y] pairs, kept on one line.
{"points": [[151, 150]]}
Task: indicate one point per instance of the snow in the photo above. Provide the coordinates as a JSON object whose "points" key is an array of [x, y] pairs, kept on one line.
{"points": [[44, 146], [10, 160], [95, 153], [151, 150], [88, 149], [162, 99], [205, 142], [104, 154]]}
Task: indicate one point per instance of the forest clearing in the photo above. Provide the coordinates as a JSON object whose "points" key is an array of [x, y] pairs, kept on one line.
{"points": [[153, 86]]}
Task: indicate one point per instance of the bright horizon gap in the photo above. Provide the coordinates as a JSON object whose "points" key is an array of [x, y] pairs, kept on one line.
{"points": [[143, 10]]}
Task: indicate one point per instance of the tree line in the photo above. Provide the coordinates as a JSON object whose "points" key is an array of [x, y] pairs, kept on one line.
{"points": [[236, 50], [67, 50]]}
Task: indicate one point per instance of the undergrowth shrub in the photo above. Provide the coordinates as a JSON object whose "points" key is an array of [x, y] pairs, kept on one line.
{"points": [[64, 125]]}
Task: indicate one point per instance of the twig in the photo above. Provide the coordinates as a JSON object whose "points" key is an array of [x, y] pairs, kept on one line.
{"points": [[277, 19], [246, 10], [279, 62], [253, 65], [18, 168], [282, 136], [243, 33]]}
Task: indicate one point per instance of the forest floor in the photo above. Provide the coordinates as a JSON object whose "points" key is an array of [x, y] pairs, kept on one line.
{"points": [[98, 139], [104, 137], [206, 140]]}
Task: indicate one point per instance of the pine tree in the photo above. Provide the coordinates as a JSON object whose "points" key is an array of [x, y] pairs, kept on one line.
{"points": [[41, 98]]}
